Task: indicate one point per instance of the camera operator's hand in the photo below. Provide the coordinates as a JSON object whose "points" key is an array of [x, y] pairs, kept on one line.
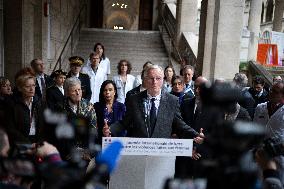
{"points": [[45, 150], [106, 129], [200, 138], [263, 161]]}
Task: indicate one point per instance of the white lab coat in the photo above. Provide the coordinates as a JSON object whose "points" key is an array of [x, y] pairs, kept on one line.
{"points": [[96, 80], [119, 85]]}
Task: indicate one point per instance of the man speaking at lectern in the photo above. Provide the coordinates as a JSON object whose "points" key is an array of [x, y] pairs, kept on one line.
{"points": [[153, 113]]}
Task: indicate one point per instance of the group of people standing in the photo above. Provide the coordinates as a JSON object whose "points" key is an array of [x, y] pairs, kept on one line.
{"points": [[158, 103]]}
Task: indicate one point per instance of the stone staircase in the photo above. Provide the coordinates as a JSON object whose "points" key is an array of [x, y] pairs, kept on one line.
{"points": [[267, 72], [134, 46], [277, 70]]}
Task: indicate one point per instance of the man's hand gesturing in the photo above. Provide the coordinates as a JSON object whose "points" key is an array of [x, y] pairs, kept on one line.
{"points": [[106, 130]]}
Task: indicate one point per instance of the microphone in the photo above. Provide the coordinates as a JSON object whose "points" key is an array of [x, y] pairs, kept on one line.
{"points": [[105, 164], [110, 156]]}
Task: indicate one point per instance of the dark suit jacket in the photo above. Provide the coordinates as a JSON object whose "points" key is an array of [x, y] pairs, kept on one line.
{"points": [[248, 102], [168, 117], [187, 111], [132, 92], [48, 82], [85, 85], [19, 120], [258, 99], [54, 98]]}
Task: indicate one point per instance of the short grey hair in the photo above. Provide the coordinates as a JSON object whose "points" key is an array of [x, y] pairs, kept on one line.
{"points": [[151, 67], [187, 67], [70, 82], [241, 80]]}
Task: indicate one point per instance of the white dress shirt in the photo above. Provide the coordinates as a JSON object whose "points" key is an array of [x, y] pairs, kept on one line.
{"points": [[38, 78], [61, 89]]}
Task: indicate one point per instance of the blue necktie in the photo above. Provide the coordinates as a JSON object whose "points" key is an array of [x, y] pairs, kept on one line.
{"points": [[153, 115]]}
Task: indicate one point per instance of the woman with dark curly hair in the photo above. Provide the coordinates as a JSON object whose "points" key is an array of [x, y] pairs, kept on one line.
{"points": [[108, 109], [124, 81]]}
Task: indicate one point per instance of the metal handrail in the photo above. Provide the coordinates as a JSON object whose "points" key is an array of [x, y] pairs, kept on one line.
{"points": [[59, 60], [169, 32]]}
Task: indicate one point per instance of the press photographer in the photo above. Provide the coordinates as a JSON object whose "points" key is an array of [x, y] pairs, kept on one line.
{"points": [[225, 152], [270, 116], [20, 170], [264, 157]]}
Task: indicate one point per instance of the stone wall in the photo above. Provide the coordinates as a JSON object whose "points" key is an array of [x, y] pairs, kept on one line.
{"points": [[63, 15], [30, 33]]}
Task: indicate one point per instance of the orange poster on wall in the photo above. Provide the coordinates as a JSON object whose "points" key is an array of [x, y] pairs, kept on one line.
{"points": [[267, 54]]}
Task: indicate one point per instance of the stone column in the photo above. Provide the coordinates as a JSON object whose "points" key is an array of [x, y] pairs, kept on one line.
{"points": [[201, 41], [254, 27], [186, 17], [223, 38], [1, 39]]}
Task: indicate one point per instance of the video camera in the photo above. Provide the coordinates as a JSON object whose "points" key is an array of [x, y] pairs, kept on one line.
{"points": [[71, 134], [272, 147], [226, 148]]}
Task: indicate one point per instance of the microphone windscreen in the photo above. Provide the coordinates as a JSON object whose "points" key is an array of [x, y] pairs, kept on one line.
{"points": [[110, 155]]}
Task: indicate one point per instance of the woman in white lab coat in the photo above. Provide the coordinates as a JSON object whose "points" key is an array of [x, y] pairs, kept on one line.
{"points": [[123, 81], [104, 63]]}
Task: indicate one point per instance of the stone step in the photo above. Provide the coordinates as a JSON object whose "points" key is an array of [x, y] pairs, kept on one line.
{"points": [[111, 48], [127, 55], [135, 46]]}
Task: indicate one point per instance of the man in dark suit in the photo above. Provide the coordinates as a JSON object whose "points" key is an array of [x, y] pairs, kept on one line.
{"points": [[248, 102], [187, 73], [153, 113], [55, 94], [257, 91], [191, 111], [43, 81], [75, 67]]}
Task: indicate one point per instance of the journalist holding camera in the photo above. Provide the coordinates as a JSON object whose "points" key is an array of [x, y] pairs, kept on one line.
{"points": [[264, 156], [270, 115], [18, 171]]}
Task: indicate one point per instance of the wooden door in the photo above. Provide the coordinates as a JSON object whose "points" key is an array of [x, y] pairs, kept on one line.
{"points": [[96, 13], [145, 14]]}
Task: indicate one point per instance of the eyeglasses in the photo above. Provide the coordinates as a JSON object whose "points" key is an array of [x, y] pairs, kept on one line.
{"points": [[154, 78]]}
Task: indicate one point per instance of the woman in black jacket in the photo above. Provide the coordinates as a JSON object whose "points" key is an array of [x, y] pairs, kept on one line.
{"points": [[24, 115]]}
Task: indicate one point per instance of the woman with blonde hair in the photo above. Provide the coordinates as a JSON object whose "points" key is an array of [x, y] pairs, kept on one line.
{"points": [[24, 114]]}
